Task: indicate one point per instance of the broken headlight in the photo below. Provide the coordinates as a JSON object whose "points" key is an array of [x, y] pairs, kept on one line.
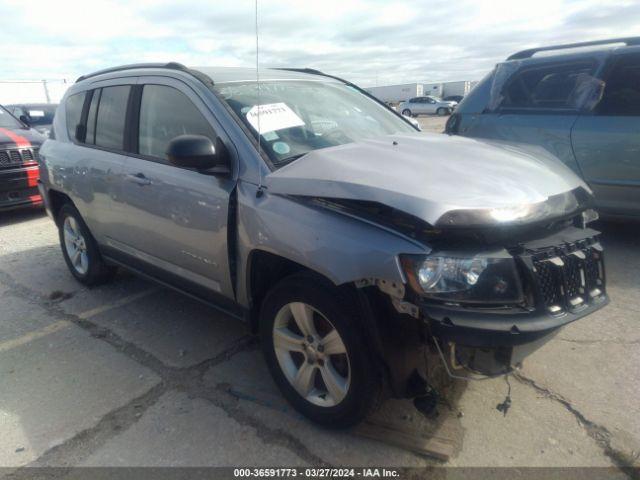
{"points": [[459, 278]]}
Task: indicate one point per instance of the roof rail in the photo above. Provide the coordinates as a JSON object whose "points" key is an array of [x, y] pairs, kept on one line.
{"points": [[304, 70], [531, 51], [170, 65]]}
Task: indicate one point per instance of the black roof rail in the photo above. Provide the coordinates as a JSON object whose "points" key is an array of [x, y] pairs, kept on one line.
{"points": [[170, 65], [531, 51], [305, 70]]}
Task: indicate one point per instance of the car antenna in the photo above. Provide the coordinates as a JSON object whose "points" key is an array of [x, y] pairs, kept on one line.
{"points": [[260, 191]]}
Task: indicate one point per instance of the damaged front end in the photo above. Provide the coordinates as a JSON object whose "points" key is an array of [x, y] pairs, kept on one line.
{"points": [[488, 295], [512, 310]]}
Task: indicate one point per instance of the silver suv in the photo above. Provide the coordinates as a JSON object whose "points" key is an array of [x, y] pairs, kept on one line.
{"points": [[426, 106], [352, 243]]}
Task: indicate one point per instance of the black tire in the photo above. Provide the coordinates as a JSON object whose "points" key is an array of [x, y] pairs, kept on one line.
{"points": [[443, 111], [407, 113], [365, 387], [96, 272]]}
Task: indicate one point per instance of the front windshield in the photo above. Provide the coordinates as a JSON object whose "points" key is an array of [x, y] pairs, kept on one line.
{"points": [[7, 120], [297, 116]]}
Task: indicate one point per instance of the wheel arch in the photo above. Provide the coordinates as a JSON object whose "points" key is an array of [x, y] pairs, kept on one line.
{"points": [[57, 200], [265, 269]]}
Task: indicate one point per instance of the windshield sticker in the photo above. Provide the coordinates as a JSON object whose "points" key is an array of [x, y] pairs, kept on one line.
{"points": [[281, 148], [270, 136], [273, 116], [36, 113]]}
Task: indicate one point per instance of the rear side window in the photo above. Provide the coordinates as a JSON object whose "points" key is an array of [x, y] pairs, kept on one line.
{"points": [[112, 111], [622, 91], [73, 107], [546, 87], [166, 113]]}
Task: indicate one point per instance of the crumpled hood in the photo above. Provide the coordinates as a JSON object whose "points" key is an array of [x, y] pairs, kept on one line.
{"points": [[427, 175]]}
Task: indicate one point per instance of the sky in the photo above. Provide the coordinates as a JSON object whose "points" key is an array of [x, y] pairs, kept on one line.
{"points": [[368, 42]]}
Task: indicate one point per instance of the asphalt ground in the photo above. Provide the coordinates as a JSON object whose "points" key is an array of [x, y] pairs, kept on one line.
{"points": [[132, 374]]}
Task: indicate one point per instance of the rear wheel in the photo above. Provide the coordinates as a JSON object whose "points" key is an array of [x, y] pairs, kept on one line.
{"points": [[316, 353], [406, 112], [80, 250]]}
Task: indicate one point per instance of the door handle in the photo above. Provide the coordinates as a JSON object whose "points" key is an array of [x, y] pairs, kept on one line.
{"points": [[138, 178]]}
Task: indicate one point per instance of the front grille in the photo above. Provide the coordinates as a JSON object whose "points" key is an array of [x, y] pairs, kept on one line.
{"points": [[18, 156], [570, 277]]}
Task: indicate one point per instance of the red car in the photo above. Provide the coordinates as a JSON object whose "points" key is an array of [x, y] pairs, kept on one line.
{"points": [[19, 146]]}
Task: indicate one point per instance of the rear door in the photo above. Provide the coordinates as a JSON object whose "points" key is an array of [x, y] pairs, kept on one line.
{"points": [[607, 142], [537, 104], [175, 219], [95, 126]]}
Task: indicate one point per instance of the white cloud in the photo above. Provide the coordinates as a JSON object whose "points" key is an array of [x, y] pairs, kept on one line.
{"points": [[366, 41]]}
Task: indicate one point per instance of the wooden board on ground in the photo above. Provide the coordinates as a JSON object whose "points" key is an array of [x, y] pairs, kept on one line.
{"points": [[398, 423]]}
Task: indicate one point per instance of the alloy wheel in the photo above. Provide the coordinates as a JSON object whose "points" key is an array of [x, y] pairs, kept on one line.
{"points": [[311, 354], [75, 245]]}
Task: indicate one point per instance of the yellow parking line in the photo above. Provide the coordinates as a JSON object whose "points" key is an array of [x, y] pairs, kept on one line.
{"points": [[29, 337], [61, 324], [118, 303]]}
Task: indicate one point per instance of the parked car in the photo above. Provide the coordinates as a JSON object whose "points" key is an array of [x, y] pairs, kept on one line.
{"points": [[453, 98], [18, 163], [426, 105], [38, 116], [580, 104], [347, 239]]}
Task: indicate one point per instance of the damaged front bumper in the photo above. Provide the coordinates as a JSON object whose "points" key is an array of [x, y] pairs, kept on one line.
{"points": [[564, 280]]}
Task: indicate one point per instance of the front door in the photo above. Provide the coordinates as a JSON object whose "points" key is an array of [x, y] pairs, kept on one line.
{"points": [[175, 218], [607, 143]]}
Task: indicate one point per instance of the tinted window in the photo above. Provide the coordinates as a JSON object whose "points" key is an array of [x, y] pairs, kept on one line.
{"points": [[546, 86], [622, 90], [166, 113], [91, 118], [73, 107], [37, 114], [112, 111]]}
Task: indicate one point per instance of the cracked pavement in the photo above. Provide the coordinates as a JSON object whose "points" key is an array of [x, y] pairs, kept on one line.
{"points": [[132, 374]]}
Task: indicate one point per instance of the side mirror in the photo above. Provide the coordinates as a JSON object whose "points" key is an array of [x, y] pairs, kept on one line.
{"points": [[193, 151], [24, 119]]}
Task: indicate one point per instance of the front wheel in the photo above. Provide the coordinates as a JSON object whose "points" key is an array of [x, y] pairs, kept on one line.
{"points": [[80, 250], [442, 111], [316, 352], [406, 112]]}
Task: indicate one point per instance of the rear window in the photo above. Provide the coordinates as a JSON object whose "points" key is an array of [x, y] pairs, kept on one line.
{"points": [[112, 111], [73, 107], [40, 115], [546, 87]]}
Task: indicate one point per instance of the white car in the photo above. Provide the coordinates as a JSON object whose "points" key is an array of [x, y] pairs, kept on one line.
{"points": [[426, 105]]}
